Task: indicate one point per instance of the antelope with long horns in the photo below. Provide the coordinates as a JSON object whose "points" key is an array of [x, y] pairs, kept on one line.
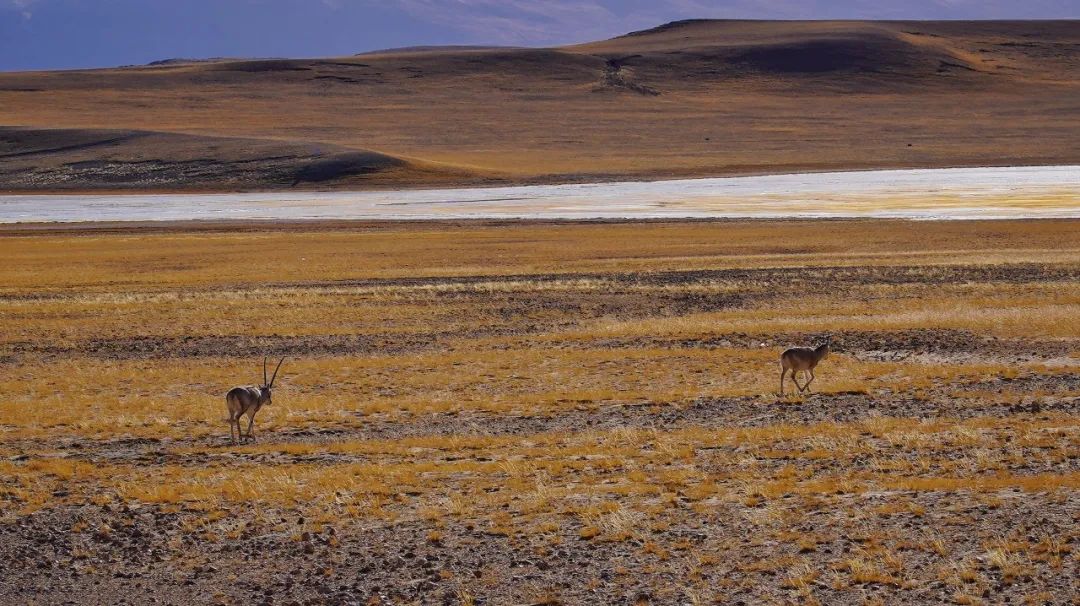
{"points": [[247, 401], [802, 359]]}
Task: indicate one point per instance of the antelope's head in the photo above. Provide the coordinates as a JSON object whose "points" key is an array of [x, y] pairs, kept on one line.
{"points": [[823, 349], [264, 390]]}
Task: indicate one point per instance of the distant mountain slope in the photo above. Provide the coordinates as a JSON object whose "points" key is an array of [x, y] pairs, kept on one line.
{"points": [[885, 53], [696, 98], [404, 50]]}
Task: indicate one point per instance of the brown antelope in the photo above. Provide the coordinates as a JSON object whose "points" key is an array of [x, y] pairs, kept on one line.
{"points": [[802, 358], [247, 401]]}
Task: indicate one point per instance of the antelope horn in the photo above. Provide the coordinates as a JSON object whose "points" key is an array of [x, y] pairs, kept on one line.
{"points": [[264, 371], [275, 371]]}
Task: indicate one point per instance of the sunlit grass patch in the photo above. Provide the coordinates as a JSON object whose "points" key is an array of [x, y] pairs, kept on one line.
{"points": [[621, 411]]}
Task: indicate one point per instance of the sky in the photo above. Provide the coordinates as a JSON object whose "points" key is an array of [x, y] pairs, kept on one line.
{"points": [[67, 34]]}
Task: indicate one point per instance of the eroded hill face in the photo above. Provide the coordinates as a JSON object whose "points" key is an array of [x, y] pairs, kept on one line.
{"points": [[79, 159], [861, 55], [694, 98]]}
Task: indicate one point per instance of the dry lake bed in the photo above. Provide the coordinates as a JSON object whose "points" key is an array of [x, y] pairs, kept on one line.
{"points": [[961, 193]]}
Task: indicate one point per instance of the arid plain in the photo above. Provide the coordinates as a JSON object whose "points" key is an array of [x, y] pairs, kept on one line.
{"points": [[550, 411], [541, 413], [689, 99]]}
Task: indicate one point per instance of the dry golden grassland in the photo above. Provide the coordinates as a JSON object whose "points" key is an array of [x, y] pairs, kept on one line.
{"points": [[543, 413]]}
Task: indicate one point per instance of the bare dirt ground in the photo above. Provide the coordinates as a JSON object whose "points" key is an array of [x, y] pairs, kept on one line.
{"points": [[529, 413]]}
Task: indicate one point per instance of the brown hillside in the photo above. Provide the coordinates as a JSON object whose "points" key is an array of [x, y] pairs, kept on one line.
{"points": [[70, 159], [693, 98]]}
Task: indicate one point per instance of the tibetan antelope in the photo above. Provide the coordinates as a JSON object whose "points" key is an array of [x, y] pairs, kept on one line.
{"points": [[802, 358], [247, 401]]}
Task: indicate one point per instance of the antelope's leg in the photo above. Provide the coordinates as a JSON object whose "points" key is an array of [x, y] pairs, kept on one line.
{"points": [[233, 423], [795, 379], [811, 371], [783, 371], [251, 424], [229, 408]]}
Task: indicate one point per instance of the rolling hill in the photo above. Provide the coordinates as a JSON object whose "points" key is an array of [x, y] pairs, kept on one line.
{"points": [[691, 98]]}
